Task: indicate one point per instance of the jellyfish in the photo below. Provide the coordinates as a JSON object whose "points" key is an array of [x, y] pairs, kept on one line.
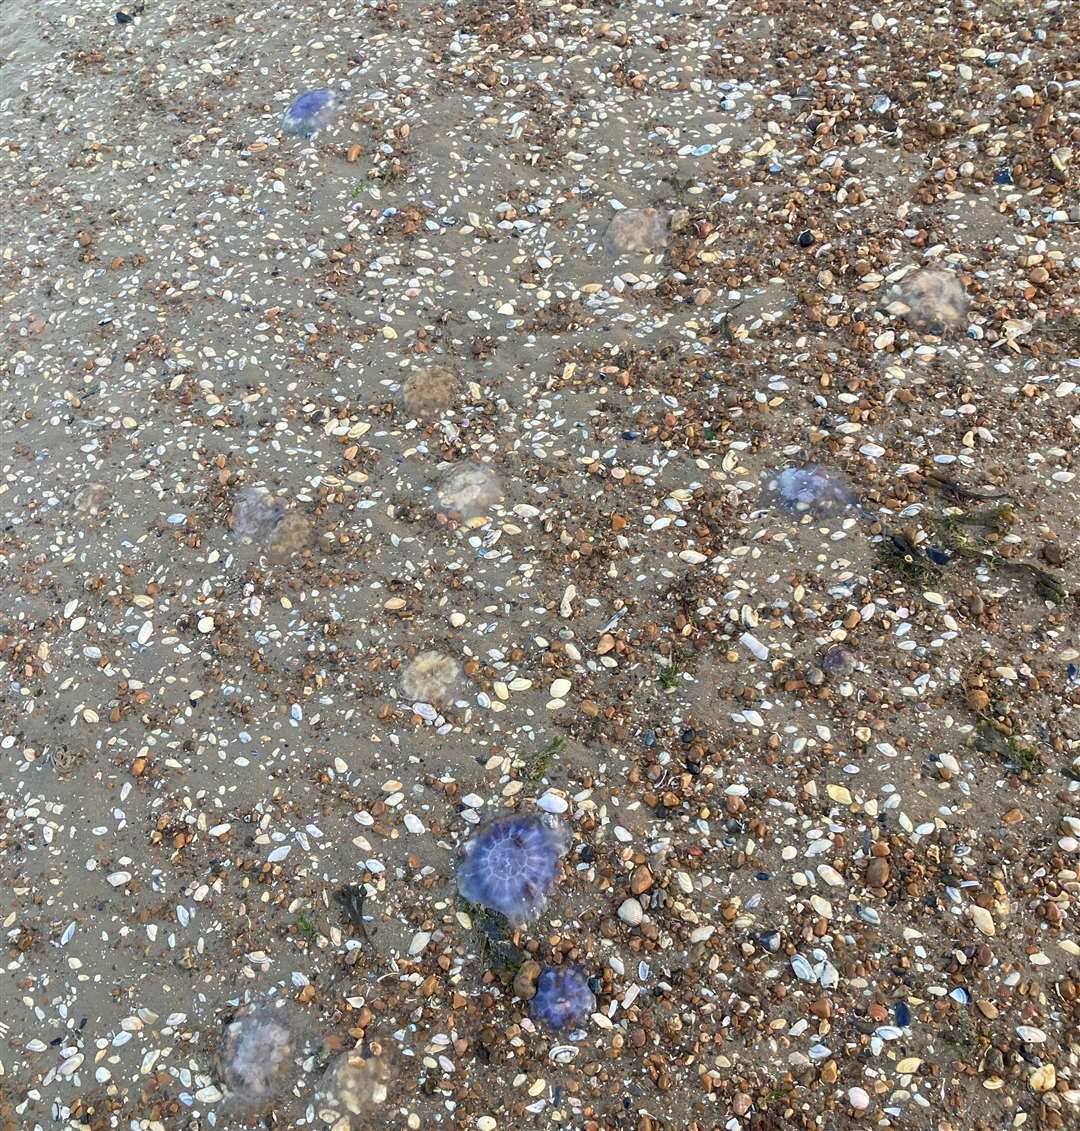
{"points": [[259, 516], [355, 1089], [809, 490], [310, 113], [430, 677], [428, 393], [255, 514], [931, 300], [468, 490], [642, 229], [511, 866], [562, 997], [837, 658], [256, 1058], [290, 535]]}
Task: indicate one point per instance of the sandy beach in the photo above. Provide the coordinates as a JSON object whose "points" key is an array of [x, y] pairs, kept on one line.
{"points": [[538, 582]]}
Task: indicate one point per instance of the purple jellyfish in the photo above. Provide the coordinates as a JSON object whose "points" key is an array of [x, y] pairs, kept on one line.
{"points": [[310, 113], [809, 490], [562, 997], [511, 866]]}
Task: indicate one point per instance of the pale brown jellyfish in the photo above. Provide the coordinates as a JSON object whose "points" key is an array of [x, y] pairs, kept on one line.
{"points": [[355, 1089], [260, 517], [643, 229], [92, 498], [427, 393], [257, 1059], [430, 677], [930, 300], [468, 490], [291, 535]]}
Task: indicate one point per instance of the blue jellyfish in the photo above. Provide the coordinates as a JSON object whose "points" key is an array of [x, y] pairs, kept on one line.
{"points": [[310, 113], [809, 490], [511, 866], [562, 997]]}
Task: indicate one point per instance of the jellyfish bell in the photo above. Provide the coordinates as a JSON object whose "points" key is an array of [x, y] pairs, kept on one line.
{"points": [[310, 113], [354, 1092], [430, 677], [930, 299], [563, 997], [257, 1058], [511, 866], [811, 490], [427, 393], [643, 230], [468, 490]]}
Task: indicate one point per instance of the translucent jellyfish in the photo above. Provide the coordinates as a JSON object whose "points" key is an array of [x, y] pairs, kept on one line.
{"points": [[257, 1058], [837, 658], [258, 516], [431, 677], [92, 498], [255, 514], [310, 113], [511, 866], [291, 535], [468, 490], [808, 490], [931, 300], [355, 1089], [562, 997], [643, 229], [428, 393]]}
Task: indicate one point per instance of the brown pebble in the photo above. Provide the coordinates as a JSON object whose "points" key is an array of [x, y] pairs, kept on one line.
{"points": [[822, 1008], [641, 880], [525, 980], [877, 872]]}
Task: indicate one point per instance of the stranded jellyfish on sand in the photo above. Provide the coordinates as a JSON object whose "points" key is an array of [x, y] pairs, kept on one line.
{"points": [[258, 516], [511, 866], [257, 1058], [808, 490], [468, 490], [430, 677], [354, 1089], [643, 229], [562, 998], [930, 300], [310, 113], [427, 393]]}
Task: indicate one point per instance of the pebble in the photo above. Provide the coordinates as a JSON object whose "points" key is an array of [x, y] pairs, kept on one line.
{"points": [[858, 1098], [982, 919]]}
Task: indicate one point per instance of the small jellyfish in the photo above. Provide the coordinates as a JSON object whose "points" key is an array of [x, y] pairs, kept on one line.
{"points": [[468, 490], [837, 658], [92, 498], [258, 516], [257, 1058], [310, 113], [809, 490], [930, 300], [643, 229], [355, 1089], [511, 866], [562, 997], [428, 393], [255, 514], [291, 535], [430, 677]]}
